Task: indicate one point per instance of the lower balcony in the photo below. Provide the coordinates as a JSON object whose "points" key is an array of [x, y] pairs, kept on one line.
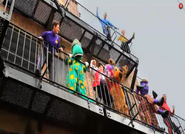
{"points": [[52, 101]]}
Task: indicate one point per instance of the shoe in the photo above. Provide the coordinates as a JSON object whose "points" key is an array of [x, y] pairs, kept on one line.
{"points": [[37, 73], [165, 113], [154, 94], [159, 102], [133, 36]]}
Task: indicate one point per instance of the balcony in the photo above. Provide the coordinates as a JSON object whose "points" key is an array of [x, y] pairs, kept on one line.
{"points": [[52, 100]]}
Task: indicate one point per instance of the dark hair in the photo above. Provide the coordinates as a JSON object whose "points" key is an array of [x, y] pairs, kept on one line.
{"points": [[55, 23]]}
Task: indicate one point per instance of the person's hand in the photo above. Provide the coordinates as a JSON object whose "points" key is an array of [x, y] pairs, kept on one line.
{"points": [[94, 62], [173, 108], [70, 55], [86, 64], [41, 39], [61, 49]]}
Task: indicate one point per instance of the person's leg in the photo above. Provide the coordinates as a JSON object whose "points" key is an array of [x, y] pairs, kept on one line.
{"points": [[106, 31], [154, 101], [173, 126], [167, 123], [103, 93], [108, 97], [99, 92], [123, 45], [40, 63], [123, 104], [127, 48], [109, 34], [50, 67], [130, 40], [94, 88], [148, 117]]}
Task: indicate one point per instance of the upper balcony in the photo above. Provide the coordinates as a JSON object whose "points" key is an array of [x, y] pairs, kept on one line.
{"points": [[52, 100]]}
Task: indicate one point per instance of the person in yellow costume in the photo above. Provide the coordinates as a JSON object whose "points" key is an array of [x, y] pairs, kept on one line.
{"points": [[125, 42]]}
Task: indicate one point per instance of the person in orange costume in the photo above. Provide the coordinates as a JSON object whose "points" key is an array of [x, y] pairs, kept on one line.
{"points": [[115, 88]]}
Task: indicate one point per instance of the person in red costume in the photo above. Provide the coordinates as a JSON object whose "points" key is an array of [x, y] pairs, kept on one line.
{"points": [[168, 122], [171, 125]]}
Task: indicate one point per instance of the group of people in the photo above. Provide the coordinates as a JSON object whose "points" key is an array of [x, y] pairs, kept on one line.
{"points": [[149, 106], [101, 90], [99, 83], [107, 25]]}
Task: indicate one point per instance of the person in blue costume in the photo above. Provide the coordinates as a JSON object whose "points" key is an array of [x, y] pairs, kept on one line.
{"points": [[51, 38], [106, 25]]}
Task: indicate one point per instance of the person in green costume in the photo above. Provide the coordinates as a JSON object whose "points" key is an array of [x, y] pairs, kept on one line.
{"points": [[76, 72]]}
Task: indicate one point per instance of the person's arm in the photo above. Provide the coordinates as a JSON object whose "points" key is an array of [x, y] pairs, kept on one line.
{"points": [[109, 23], [58, 45], [173, 111], [41, 39], [93, 65], [43, 35], [97, 14]]}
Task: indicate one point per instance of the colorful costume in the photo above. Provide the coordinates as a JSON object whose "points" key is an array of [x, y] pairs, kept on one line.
{"points": [[76, 73], [54, 41], [148, 105], [169, 123], [115, 89], [125, 42]]}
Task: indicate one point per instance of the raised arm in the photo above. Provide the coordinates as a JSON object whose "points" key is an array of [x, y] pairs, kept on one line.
{"points": [[97, 14], [173, 111]]}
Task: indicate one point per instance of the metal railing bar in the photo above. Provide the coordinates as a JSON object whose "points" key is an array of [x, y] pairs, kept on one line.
{"points": [[23, 48], [30, 51], [17, 45], [10, 42]]}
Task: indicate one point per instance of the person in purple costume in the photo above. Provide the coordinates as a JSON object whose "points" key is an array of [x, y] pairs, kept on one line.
{"points": [[52, 41], [148, 105]]}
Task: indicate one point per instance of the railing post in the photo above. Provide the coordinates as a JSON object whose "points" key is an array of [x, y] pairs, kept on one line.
{"points": [[92, 46], [49, 21], [62, 13]]}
